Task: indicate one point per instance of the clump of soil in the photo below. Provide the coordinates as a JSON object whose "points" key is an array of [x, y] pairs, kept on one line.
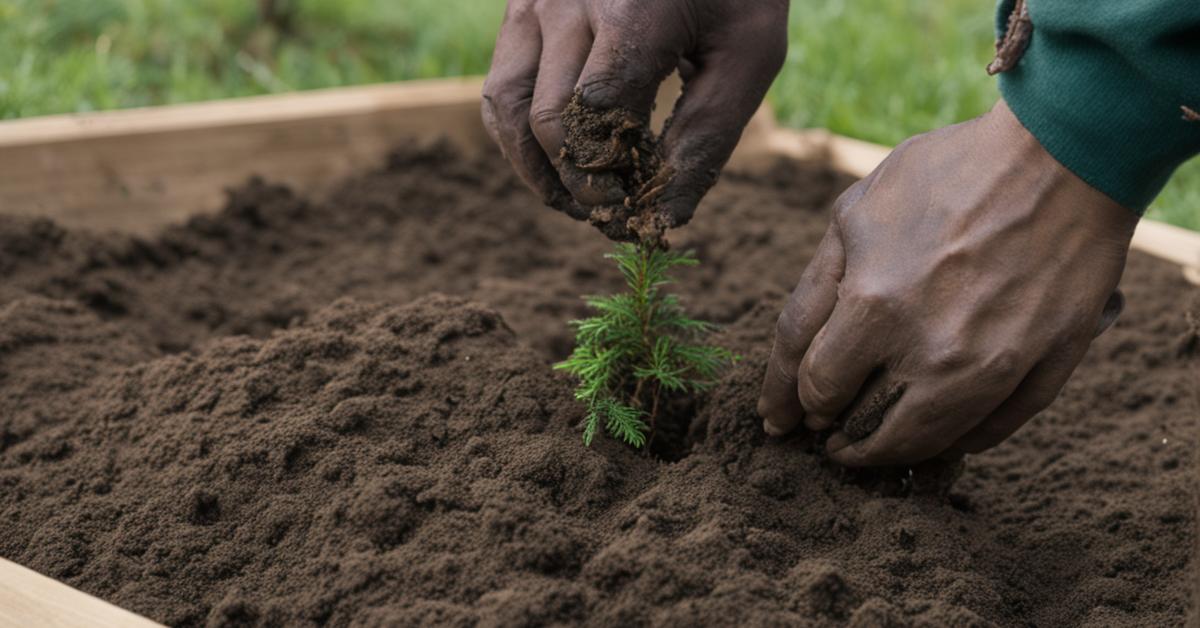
{"points": [[619, 145], [269, 416]]}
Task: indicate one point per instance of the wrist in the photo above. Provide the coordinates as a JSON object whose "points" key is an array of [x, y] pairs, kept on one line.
{"points": [[1106, 89], [1098, 214]]}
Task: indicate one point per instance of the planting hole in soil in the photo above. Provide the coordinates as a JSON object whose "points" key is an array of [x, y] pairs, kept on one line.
{"points": [[345, 410]]}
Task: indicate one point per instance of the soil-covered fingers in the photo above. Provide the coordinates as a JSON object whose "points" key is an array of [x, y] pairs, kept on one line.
{"points": [[638, 44], [507, 104], [920, 425], [730, 78], [566, 44], [807, 309]]}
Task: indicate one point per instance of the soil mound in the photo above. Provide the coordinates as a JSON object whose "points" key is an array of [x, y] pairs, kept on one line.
{"points": [[268, 416], [406, 455]]}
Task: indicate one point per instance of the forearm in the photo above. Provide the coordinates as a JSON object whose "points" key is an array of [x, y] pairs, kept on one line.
{"points": [[1109, 89]]}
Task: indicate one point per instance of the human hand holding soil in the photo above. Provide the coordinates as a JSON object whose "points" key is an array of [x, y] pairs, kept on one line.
{"points": [[614, 55], [956, 290]]}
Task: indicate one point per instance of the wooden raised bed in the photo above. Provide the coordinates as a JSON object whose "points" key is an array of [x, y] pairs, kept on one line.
{"points": [[139, 170]]}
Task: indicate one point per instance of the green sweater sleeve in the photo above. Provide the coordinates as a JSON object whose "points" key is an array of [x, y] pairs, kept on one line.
{"points": [[1111, 89]]}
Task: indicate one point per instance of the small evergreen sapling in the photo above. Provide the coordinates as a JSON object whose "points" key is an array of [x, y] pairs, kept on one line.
{"points": [[639, 348]]}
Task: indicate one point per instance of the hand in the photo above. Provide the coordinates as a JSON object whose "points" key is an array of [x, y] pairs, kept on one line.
{"points": [[956, 290], [617, 52]]}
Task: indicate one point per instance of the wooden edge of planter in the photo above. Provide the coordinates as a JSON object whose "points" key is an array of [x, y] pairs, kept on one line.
{"points": [[28, 598], [142, 169], [239, 112]]}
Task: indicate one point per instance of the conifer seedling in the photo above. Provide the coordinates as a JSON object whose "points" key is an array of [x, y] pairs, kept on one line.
{"points": [[639, 348]]}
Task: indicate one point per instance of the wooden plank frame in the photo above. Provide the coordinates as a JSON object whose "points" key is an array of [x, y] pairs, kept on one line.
{"points": [[141, 169], [27, 598]]}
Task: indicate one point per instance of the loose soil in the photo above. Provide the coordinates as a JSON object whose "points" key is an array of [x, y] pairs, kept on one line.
{"points": [[275, 415], [614, 148]]}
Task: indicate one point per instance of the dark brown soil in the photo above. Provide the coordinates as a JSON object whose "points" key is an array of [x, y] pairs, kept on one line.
{"points": [[614, 148], [268, 417]]}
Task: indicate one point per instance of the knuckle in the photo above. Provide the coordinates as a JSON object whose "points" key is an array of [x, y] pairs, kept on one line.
{"points": [[505, 101], [601, 89], [542, 118], [953, 255], [875, 299], [1003, 364], [817, 390], [847, 201], [950, 356], [786, 326], [487, 112], [844, 201], [778, 376], [490, 92], [493, 93], [789, 329]]}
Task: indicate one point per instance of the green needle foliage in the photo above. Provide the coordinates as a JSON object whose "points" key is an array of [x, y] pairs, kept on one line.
{"points": [[639, 348]]}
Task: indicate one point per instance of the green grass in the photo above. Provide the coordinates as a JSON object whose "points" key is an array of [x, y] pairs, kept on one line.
{"points": [[879, 70], [884, 70], [61, 56]]}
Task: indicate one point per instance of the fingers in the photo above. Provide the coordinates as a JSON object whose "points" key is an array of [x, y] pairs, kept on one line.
{"points": [[728, 84], [940, 418], [1037, 391], [809, 307], [507, 97], [637, 46], [567, 41], [918, 427], [836, 365]]}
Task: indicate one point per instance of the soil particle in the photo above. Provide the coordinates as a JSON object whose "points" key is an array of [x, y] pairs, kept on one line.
{"points": [[270, 416], [616, 148]]}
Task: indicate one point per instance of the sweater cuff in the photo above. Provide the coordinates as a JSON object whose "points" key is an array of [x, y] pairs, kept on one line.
{"points": [[1098, 114]]}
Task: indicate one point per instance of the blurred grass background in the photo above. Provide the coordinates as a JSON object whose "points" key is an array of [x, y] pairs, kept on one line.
{"points": [[879, 70]]}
